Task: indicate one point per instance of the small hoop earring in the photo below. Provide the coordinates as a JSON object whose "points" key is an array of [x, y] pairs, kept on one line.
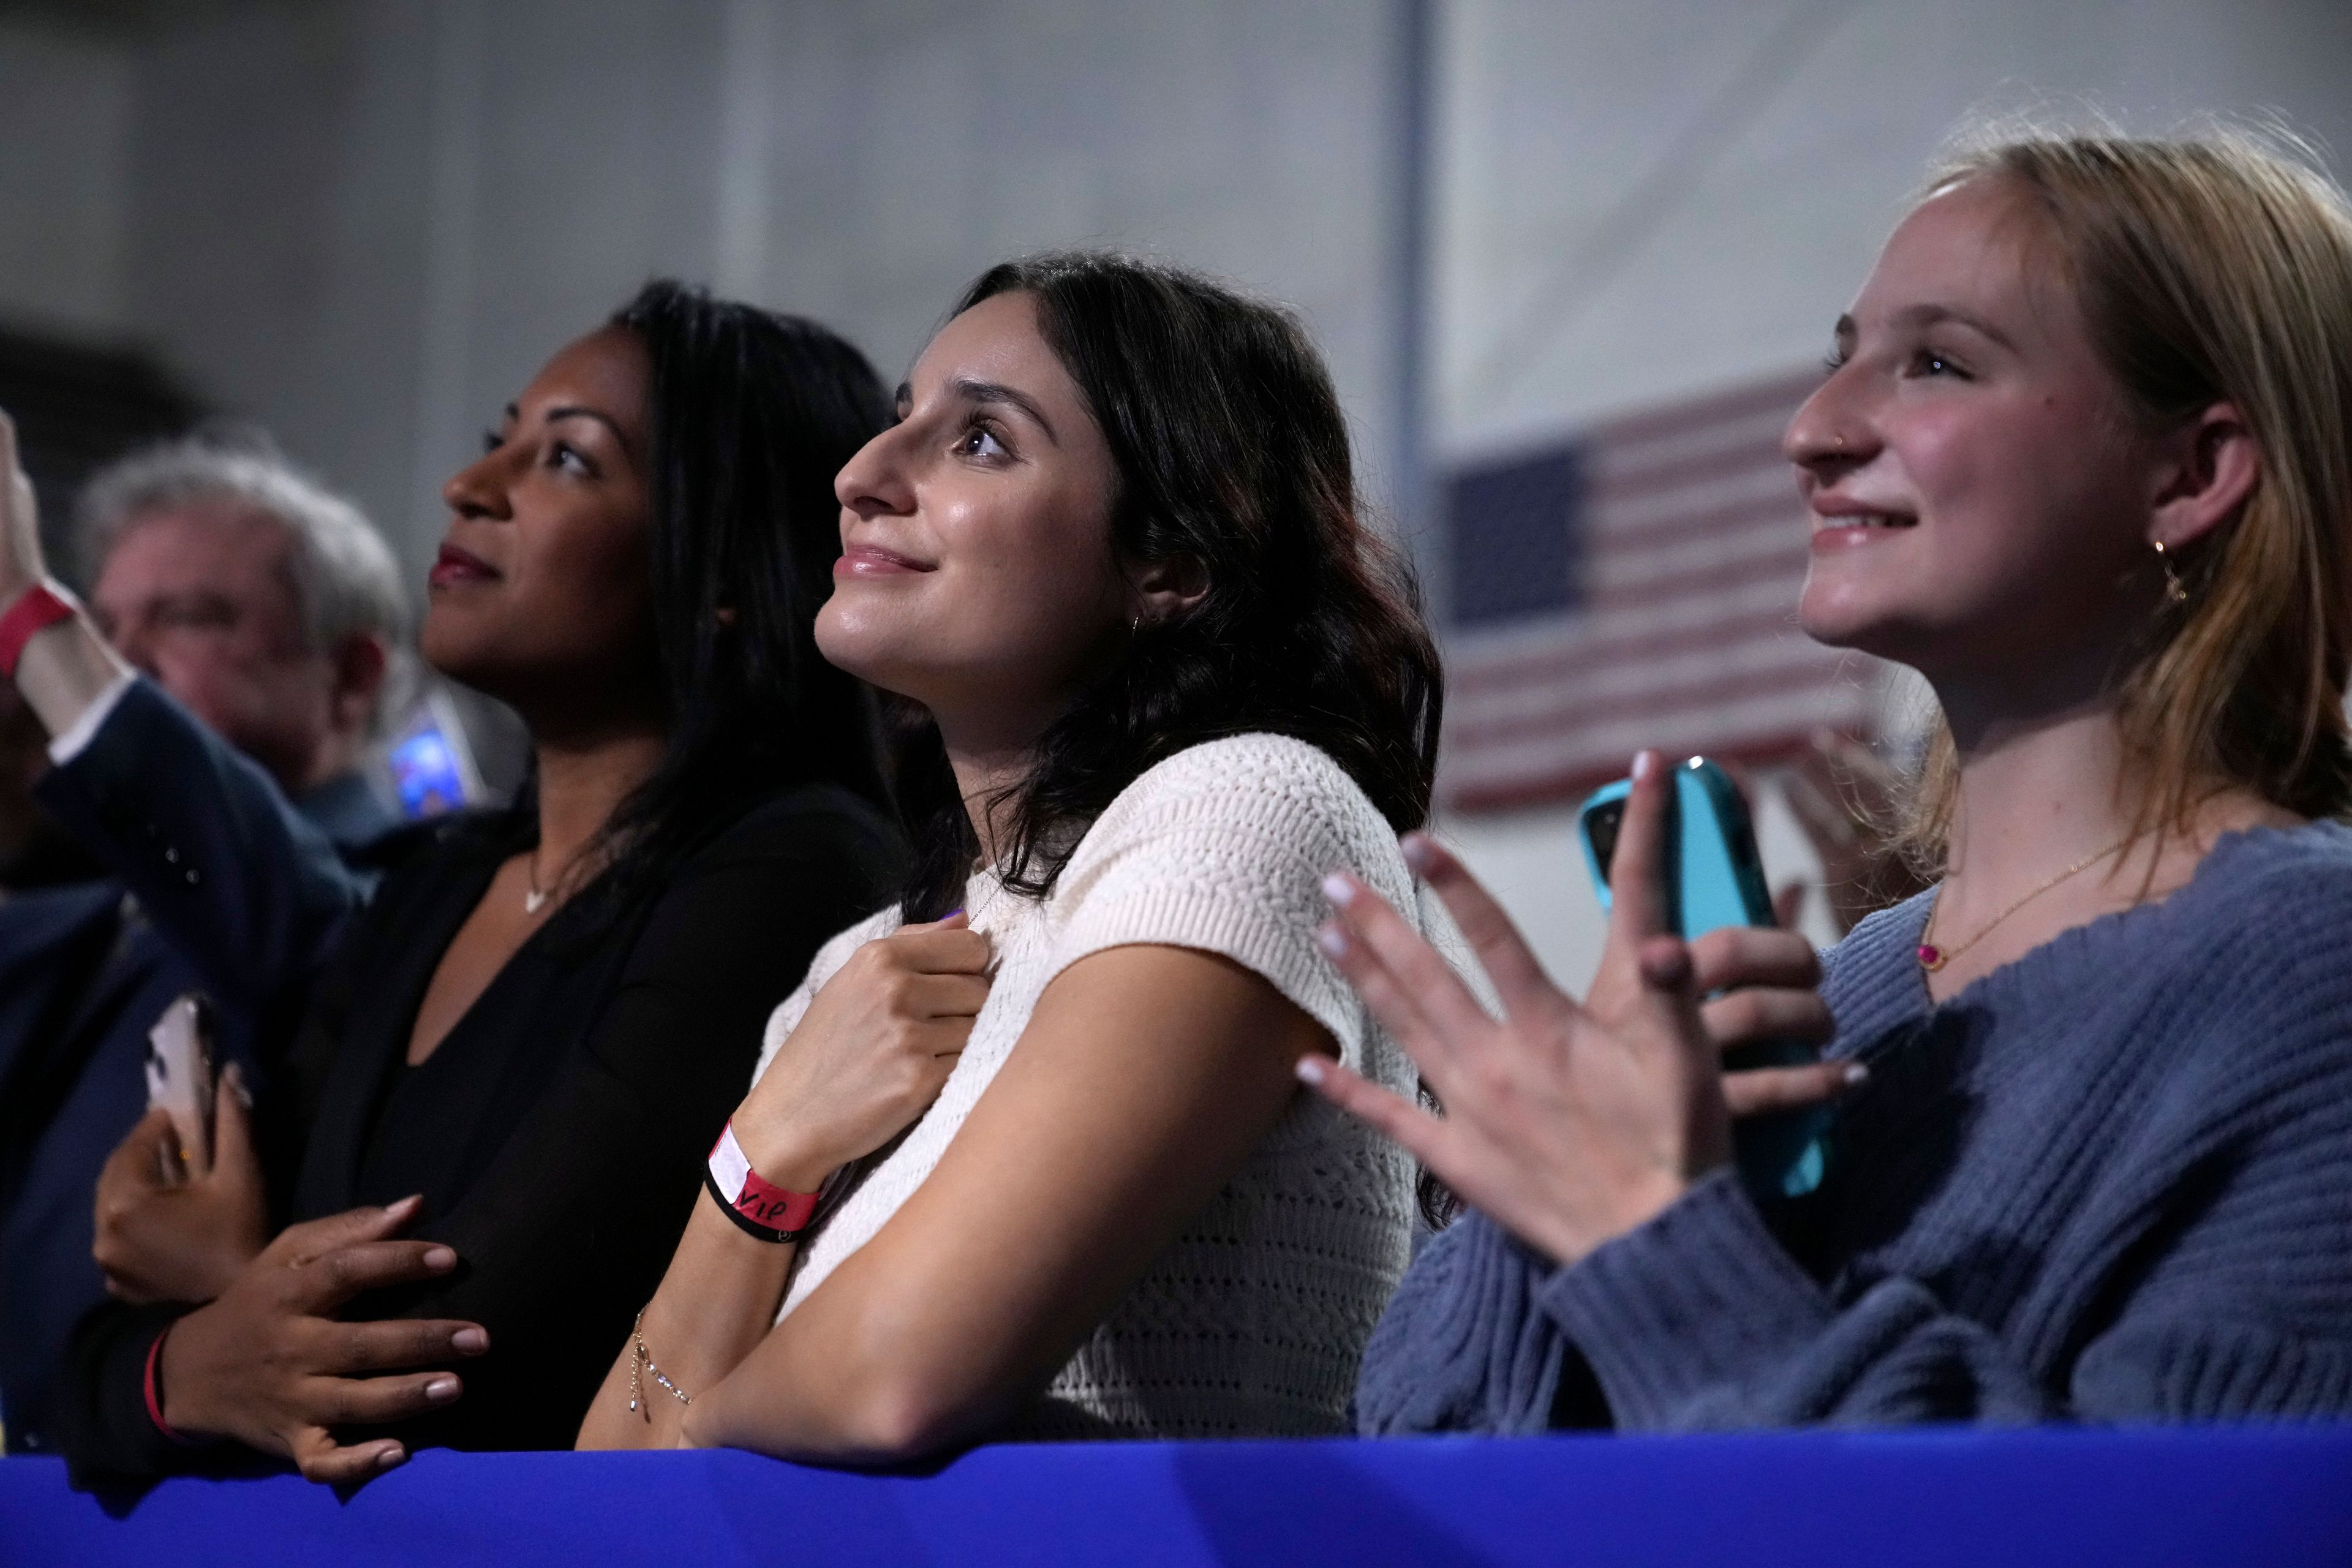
{"points": [[2172, 588], [1134, 626]]}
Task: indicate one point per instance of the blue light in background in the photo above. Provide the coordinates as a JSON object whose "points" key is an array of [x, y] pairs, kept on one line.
{"points": [[426, 773]]}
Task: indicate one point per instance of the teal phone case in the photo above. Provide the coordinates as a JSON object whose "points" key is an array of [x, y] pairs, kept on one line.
{"points": [[1715, 878]]}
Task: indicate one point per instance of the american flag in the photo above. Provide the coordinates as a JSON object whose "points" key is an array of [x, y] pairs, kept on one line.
{"points": [[1635, 586]]}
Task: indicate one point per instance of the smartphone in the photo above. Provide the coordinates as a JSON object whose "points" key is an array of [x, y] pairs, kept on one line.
{"points": [[1715, 878], [179, 1075]]}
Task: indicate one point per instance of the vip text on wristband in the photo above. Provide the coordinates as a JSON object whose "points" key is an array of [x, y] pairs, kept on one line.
{"points": [[754, 1204]]}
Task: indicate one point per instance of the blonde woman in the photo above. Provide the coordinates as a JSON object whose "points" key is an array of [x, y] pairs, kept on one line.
{"points": [[2083, 459]]}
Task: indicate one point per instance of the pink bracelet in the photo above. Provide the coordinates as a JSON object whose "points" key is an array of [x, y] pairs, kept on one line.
{"points": [[757, 1205], [36, 609], [154, 1386]]}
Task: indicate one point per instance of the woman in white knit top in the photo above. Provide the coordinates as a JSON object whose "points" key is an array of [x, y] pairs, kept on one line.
{"points": [[1167, 684]]}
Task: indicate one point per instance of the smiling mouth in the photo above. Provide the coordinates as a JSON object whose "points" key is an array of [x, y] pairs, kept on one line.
{"points": [[1866, 519], [455, 565], [873, 560]]}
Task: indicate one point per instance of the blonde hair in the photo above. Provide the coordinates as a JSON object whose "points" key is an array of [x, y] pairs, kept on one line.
{"points": [[2212, 267]]}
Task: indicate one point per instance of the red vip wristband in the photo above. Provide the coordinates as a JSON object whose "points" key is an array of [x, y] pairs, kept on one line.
{"points": [[759, 1207], [36, 607]]}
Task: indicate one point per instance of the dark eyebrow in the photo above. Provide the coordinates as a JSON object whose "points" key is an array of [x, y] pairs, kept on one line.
{"points": [[973, 391], [574, 411]]}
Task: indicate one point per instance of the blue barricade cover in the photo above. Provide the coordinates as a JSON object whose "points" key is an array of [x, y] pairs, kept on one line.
{"points": [[2279, 1496]]}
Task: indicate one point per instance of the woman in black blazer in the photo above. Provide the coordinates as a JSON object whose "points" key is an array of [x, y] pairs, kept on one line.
{"points": [[516, 1056]]}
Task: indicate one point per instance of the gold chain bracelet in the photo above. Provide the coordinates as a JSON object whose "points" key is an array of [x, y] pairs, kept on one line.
{"points": [[640, 1363]]}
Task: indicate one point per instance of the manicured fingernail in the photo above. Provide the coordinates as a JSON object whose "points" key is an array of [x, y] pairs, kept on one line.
{"points": [[1339, 889], [441, 1389], [1420, 855], [1331, 940], [391, 1456], [473, 1342], [1643, 763], [439, 1257], [952, 913], [1855, 1073], [1309, 1068]]}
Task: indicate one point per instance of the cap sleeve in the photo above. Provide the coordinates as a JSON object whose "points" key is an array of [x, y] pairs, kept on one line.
{"points": [[1223, 848]]}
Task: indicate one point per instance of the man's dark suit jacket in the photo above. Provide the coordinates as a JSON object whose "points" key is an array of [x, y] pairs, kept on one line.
{"points": [[83, 977]]}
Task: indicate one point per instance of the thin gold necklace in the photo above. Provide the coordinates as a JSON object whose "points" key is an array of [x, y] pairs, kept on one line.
{"points": [[1933, 958]]}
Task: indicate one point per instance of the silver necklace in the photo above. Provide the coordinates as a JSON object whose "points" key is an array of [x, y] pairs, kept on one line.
{"points": [[533, 899]]}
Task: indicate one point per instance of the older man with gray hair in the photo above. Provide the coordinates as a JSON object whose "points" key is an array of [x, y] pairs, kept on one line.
{"points": [[268, 607]]}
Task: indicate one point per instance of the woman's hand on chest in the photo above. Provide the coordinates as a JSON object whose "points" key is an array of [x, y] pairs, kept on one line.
{"points": [[1143, 1079], [869, 1055], [269, 1364]]}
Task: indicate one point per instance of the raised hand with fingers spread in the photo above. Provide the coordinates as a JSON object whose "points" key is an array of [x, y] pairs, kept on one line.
{"points": [[1572, 1122]]}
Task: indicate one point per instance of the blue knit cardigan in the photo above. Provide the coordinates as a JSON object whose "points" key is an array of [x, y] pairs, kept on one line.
{"points": [[2111, 1180]]}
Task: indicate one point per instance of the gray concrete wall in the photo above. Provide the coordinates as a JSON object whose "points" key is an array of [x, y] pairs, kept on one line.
{"points": [[66, 111], [912, 142], [1641, 199], [365, 222]]}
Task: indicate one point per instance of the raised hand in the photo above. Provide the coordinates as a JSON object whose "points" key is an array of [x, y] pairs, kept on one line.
{"points": [[62, 672], [870, 1054], [168, 1231], [21, 560], [1570, 1123], [269, 1365]]}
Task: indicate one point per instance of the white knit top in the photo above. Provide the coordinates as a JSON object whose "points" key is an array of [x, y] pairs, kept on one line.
{"points": [[1251, 1320]]}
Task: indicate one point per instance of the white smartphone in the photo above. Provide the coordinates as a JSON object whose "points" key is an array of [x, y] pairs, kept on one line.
{"points": [[179, 1077]]}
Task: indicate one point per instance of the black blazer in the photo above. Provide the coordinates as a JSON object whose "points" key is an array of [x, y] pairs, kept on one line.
{"points": [[557, 1133]]}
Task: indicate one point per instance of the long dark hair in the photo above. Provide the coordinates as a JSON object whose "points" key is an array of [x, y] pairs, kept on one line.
{"points": [[751, 416], [1232, 451]]}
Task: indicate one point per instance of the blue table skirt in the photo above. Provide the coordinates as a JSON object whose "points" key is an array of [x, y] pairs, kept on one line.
{"points": [[2278, 1497]]}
